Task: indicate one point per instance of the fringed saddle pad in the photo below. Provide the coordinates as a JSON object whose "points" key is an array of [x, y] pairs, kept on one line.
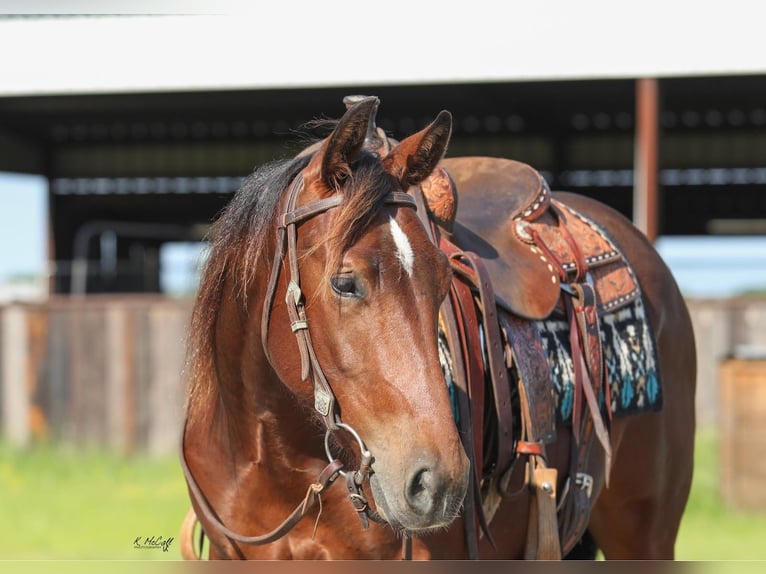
{"points": [[630, 356]]}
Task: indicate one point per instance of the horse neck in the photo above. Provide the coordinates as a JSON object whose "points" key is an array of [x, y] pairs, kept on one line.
{"points": [[249, 416]]}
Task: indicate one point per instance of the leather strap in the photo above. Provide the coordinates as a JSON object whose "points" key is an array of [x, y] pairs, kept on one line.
{"points": [[470, 266], [458, 317], [461, 380], [585, 343], [422, 211], [530, 448], [328, 475], [534, 373], [276, 266], [461, 321], [575, 512], [406, 547], [581, 266], [462, 301], [543, 542]]}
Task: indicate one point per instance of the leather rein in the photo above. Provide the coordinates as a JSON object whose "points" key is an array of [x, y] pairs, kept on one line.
{"points": [[324, 398]]}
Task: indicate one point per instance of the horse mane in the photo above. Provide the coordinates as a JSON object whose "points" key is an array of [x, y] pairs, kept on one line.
{"points": [[237, 244]]}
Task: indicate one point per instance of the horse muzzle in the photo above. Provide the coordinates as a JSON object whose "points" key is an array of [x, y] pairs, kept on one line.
{"points": [[416, 493], [428, 496]]}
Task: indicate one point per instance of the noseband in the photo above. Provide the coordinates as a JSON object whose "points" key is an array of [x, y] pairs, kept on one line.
{"points": [[324, 398]]}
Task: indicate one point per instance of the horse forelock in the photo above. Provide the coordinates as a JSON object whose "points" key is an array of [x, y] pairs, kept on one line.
{"points": [[364, 193]]}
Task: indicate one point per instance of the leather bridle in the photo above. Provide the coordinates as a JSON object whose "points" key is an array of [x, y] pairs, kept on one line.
{"points": [[287, 247], [324, 398]]}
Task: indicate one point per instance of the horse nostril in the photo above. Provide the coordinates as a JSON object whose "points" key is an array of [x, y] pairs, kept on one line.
{"points": [[420, 491]]}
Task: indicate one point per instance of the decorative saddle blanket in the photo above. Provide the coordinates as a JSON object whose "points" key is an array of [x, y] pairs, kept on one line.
{"points": [[629, 356]]}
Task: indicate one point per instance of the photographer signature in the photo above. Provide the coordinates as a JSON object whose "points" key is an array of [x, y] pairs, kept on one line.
{"points": [[153, 542]]}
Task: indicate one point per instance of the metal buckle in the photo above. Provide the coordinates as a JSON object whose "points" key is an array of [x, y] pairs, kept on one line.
{"points": [[293, 293], [359, 501], [294, 296]]}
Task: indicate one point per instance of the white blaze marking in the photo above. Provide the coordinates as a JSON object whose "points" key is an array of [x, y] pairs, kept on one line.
{"points": [[403, 247]]}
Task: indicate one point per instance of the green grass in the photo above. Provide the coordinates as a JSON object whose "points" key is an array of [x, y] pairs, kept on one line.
{"points": [[710, 530], [60, 504]]}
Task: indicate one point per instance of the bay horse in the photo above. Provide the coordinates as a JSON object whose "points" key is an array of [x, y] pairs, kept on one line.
{"points": [[314, 357]]}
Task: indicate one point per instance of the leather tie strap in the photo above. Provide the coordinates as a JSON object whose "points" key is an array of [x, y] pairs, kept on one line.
{"points": [[585, 343]]}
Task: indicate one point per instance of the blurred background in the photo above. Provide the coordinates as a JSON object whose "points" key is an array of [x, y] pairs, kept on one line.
{"points": [[123, 135]]}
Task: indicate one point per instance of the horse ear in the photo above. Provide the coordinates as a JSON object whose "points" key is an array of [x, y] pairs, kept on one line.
{"points": [[346, 141], [416, 156]]}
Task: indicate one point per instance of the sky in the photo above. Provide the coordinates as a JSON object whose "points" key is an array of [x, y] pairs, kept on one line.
{"points": [[703, 266], [23, 209]]}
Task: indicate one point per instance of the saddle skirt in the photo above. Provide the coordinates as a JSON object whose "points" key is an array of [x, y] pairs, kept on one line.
{"points": [[590, 253]]}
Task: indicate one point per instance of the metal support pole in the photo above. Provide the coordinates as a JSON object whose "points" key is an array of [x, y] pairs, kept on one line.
{"points": [[646, 169]]}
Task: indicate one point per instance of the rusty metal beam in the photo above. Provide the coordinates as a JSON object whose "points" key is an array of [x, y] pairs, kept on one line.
{"points": [[646, 168]]}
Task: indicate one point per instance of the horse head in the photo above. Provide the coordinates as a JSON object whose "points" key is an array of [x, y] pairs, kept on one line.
{"points": [[363, 285]]}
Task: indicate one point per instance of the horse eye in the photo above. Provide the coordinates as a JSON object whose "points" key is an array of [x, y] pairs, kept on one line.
{"points": [[345, 285]]}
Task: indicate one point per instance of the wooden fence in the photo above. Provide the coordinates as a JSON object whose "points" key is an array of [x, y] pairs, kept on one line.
{"points": [[723, 329], [105, 372], [108, 371]]}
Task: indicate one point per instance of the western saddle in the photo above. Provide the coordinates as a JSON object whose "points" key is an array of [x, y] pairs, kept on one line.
{"points": [[562, 265]]}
